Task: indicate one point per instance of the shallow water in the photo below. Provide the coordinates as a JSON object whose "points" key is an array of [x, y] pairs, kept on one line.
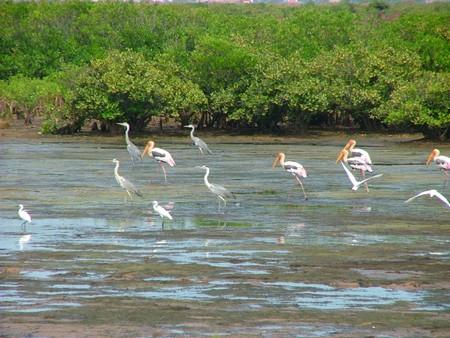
{"points": [[268, 254]]}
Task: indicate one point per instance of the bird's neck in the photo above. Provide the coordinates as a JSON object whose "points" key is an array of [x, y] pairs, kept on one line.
{"points": [[206, 177], [126, 134], [192, 133], [116, 169], [282, 158]]}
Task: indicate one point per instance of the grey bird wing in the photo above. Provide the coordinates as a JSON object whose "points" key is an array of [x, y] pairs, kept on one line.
{"points": [[127, 185], [222, 191], [200, 143], [134, 152]]}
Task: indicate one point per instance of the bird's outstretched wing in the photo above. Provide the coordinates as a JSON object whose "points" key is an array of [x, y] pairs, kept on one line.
{"points": [[351, 177], [369, 178], [431, 193]]}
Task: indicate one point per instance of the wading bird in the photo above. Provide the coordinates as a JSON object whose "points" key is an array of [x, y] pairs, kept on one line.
{"points": [[356, 163], [357, 152], [432, 193], [124, 183], [296, 169], [221, 192], [23, 214], [198, 142], [441, 161], [132, 149], [162, 212], [160, 155], [357, 184]]}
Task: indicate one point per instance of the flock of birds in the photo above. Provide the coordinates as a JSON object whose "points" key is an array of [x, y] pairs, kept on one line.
{"points": [[360, 161]]}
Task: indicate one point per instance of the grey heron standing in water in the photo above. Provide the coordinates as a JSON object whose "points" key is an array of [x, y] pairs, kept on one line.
{"points": [[221, 193], [198, 142], [134, 151], [124, 183]]}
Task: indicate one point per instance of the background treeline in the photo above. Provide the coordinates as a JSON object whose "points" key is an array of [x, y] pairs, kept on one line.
{"points": [[372, 66]]}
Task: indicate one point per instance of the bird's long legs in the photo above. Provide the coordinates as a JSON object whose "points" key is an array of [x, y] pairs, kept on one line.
{"points": [[446, 179], [201, 151], [224, 201], [301, 185], [363, 175], [24, 226], [164, 171]]}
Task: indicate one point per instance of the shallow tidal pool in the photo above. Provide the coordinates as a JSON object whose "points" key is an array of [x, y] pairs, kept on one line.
{"points": [[343, 263]]}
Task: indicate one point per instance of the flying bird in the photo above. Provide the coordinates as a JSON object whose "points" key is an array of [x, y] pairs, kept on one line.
{"points": [[357, 152], [24, 215], [162, 212], [160, 155], [124, 183], [441, 161], [221, 193], [296, 169], [431, 193], [198, 142], [134, 151], [357, 184]]}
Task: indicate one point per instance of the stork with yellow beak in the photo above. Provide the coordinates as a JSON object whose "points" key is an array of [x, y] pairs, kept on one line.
{"points": [[441, 161], [357, 152], [162, 156], [296, 169]]}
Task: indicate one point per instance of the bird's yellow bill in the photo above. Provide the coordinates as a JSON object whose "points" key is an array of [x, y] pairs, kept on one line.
{"points": [[432, 156], [341, 155]]}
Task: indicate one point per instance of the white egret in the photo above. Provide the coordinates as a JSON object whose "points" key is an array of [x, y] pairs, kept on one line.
{"points": [[24, 215], [162, 212], [431, 193]]}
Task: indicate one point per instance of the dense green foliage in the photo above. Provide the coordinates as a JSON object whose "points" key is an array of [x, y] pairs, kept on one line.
{"points": [[255, 66]]}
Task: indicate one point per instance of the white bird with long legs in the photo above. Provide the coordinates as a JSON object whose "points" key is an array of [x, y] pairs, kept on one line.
{"points": [[357, 152], [198, 142], [134, 151], [296, 169], [357, 163], [431, 193], [441, 161], [221, 192], [351, 177], [163, 213], [162, 156], [24, 215], [124, 183]]}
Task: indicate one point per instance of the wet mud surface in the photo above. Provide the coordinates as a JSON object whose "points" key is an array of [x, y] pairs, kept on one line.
{"points": [[343, 263]]}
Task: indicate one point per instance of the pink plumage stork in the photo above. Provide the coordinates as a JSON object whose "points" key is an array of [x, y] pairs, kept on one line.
{"points": [[441, 161], [162, 156], [296, 169], [357, 152]]}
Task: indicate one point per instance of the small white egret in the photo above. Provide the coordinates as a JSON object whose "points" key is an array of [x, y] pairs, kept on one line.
{"points": [[296, 169], [431, 193], [124, 183], [134, 151], [198, 142], [162, 212], [357, 184], [23, 214], [160, 155]]}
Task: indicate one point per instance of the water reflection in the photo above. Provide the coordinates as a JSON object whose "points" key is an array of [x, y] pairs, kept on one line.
{"points": [[23, 241]]}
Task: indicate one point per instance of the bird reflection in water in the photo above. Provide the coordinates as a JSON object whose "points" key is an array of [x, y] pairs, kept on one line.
{"points": [[23, 241]]}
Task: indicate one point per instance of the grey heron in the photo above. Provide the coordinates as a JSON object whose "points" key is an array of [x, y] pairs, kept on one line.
{"points": [[351, 177], [162, 212], [24, 215], [124, 183], [296, 169], [198, 142], [221, 192], [160, 155], [134, 151], [431, 193]]}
